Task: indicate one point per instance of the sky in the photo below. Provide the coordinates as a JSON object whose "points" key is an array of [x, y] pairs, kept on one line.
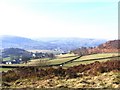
{"points": [[59, 18]]}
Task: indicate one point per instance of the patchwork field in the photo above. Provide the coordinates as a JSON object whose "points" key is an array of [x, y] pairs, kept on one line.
{"points": [[82, 60], [66, 57], [92, 58]]}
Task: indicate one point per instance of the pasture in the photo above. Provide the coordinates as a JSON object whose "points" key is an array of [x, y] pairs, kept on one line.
{"points": [[5, 69], [92, 58], [6, 59], [67, 57], [95, 56]]}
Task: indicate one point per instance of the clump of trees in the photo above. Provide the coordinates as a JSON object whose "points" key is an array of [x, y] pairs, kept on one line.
{"points": [[23, 55], [108, 47], [81, 51], [41, 55], [38, 55]]}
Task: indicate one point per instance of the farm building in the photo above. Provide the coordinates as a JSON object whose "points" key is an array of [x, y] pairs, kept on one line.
{"points": [[16, 61]]}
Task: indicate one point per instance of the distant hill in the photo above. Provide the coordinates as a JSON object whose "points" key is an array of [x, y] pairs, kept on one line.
{"points": [[20, 42], [71, 43], [62, 44]]}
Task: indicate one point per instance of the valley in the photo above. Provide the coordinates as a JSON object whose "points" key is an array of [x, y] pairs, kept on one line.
{"points": [[84, 67], [59, 44]]}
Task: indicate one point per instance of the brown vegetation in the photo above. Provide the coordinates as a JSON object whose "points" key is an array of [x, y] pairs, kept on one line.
{"points": [[72, 72], [97, 74], [108, 47]]}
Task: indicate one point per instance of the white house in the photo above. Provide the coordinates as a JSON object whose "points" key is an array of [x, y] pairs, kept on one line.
{"points": [[8, 62]]}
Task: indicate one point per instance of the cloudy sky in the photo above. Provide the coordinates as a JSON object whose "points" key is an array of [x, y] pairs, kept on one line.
{"points": [[59, 18]]}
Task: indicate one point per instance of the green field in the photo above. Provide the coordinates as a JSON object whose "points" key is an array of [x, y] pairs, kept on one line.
{"points": [[84, 62], [61, 60], [88, 59], [66, 57], [5, 69], [94, 56], [6, 59], [35, 62]]}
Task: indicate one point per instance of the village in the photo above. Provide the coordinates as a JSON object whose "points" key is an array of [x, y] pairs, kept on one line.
{"points": [[23, 58]]}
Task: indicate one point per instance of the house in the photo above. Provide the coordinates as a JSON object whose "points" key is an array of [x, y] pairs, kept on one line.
{"points": [[8, 62], [15, 61], [39, 55], [33, 55]]}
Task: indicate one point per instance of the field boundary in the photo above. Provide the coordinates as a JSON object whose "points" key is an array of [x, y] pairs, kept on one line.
{"points": [[61, 64], [7, 66], [97, 59]]}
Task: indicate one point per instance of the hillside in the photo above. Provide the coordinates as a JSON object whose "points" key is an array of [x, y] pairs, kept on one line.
{"points": [[108, 47], [20, 42], [15, 52], [61, 44]]}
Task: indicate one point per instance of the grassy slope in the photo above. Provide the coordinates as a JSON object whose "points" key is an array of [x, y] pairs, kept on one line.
{"points": [[67, 57], [57, 60], [94, 56], [6, 59], [61, 60], [84, 62]]}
